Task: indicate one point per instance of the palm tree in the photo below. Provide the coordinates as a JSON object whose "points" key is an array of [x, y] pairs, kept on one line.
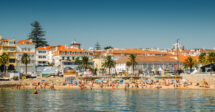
{"points": [[190, 63], [128, 65], [85, 62], [78, 62], [109, 63], [4, 58], [25, 60], [202, 59], [211, 59], [132, 62]]}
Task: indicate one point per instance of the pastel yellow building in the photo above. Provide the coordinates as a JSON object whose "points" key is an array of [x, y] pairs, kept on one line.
{"points": [[9, 47], [98, 62]]}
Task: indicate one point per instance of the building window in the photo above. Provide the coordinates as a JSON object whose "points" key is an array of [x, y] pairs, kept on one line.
{"points": [[41, 51], [11, 60], [62, 58], [10, 54], [11, 43], [73, 53], [11, 49], [68, 53], [63, 52]]}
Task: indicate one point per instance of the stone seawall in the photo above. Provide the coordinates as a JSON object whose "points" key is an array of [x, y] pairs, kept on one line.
{"points": [[197, 78], [9, 83]]}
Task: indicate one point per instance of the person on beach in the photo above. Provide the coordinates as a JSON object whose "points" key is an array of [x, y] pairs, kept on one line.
{"points": [[52, 86]]}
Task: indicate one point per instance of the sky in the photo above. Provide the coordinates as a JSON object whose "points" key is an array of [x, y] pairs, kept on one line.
{"points": [[118, 23]]}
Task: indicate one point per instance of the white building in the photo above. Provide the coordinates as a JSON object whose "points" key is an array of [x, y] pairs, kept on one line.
{"points": [[146, 64], [42, 56], [25, 46], [59, 55]]}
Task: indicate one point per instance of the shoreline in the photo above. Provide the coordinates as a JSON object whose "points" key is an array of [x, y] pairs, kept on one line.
{"points": [[108, 88], [112, 84]]}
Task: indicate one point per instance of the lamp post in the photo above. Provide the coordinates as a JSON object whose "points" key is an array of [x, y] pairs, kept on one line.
{"points": [[177, 70]]}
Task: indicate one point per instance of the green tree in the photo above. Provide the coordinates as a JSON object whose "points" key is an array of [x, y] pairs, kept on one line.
{"points": [[132, 62], [37, 34], [108, 47], [189, 62], [4, 58], [211, 59], [128, 65], [77, 60], [202, 59], [85, 62], [97, 46], [109, 63], [25, 60]]}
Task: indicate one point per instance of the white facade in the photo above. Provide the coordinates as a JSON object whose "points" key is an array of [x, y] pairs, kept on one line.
{"points": [[146, 67], [42, 57], [30, 50], [59, 58]]}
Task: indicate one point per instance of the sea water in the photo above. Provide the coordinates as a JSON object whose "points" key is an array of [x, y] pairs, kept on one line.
{"points": [[69, 100]]}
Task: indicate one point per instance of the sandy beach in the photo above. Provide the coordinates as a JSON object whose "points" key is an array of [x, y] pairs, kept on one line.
{"points": [[112, 83]]}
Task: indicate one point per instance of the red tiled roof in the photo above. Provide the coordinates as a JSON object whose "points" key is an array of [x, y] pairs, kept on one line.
{"points": [[25, 42]]}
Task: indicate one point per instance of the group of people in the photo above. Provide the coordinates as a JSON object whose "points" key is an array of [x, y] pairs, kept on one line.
{"points": [[109, 83], [132, 83]]}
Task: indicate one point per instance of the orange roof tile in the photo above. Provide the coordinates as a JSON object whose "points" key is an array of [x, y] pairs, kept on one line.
{"points": [[25, 42], [41, 48]]}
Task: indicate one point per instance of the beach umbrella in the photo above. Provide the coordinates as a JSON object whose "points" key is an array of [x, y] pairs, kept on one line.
{"points": [[172, 80]]}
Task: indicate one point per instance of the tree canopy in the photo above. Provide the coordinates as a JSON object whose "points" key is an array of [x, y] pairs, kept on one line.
{"points": [[189, 62], [108, 47], [97, 46], [25, 60], [85, 62], [202, 59], [109, 63], [37, 34], [132, 62]]}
